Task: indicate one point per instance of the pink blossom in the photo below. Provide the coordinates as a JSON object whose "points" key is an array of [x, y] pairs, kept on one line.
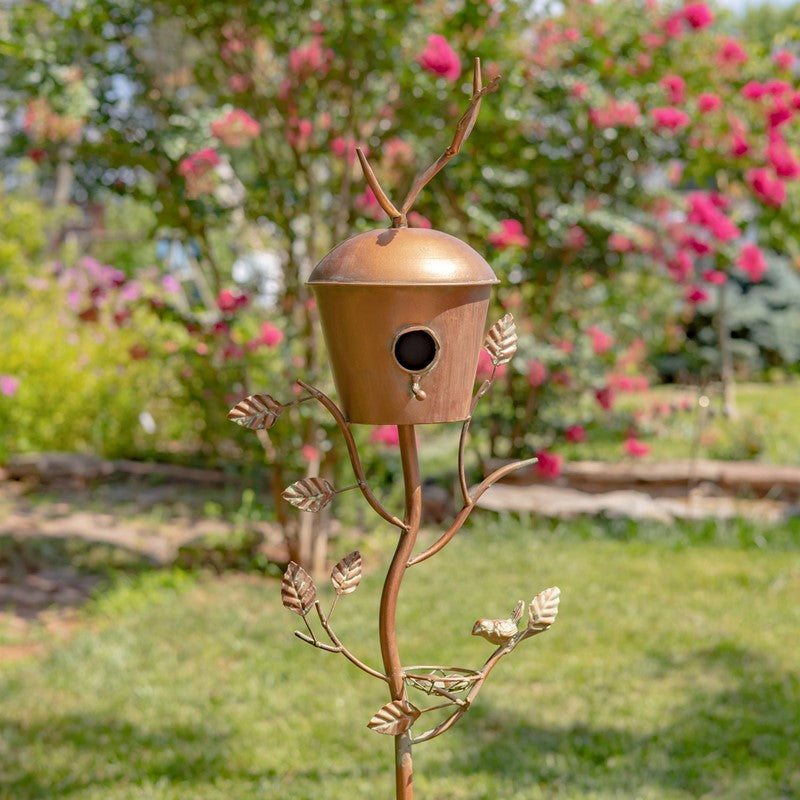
{"points": [[201, 348], [699, 246], [753, 90], [416, 220], [572, 34], [510, 234], [198, 171], [704, 210], [575, 238], [633, 447], [549, 465], [486, 367], [605, 398], [270, 335], [199, 163], [614, 114], [386, 435], [368, 205], [680, 267], [619, 243], [782, 159], [239, 83], [776, 88], [299, 133], [714, 276], [673, 25], [171, 285], [731, 52], [696, 294], [668, 118], [537, 372], [9, 385], [602, 342], [310, 59], [228, 301], [343, 147], [675, 87], [783, 59], [236, 128], [739, 146], [653, 40], [575, 434], [778, 113], [751, 260], [771, 190], [708, 101], [579, 90], [310, 453], [698, 15], [440, 59], [398, 152]]}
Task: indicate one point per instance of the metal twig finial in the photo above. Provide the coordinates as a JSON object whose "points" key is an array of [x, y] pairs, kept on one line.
{"points": [[463, 129]]}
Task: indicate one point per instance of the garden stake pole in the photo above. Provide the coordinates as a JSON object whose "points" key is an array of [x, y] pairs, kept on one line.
{"points": [[403, 311], [388, 608]]}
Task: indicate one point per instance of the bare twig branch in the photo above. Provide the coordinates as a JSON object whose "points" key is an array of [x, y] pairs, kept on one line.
{"points": [[337, 415], [462, 442], [463, 129], [462, 516], [314, 642], [398, 218], [343, 650]]}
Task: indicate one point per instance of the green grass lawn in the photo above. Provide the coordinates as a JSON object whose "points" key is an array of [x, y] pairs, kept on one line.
{"points": [[767, 427], [672, 672]]}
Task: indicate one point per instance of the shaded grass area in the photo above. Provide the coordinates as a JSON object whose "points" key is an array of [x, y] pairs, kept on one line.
{"points": [[671, 673]]}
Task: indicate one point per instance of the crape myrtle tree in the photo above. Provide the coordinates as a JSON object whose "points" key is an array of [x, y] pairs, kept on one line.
{"points": [[636, 157]]}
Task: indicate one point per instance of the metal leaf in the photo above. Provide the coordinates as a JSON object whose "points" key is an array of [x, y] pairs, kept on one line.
{"points": [[310, 494], [544, 609], [257, 412], [394, 718], [297, 590], [346, 575], [501, 341]]}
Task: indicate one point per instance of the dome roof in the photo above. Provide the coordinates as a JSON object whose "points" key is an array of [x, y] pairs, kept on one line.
{"points": [[403, 257]]}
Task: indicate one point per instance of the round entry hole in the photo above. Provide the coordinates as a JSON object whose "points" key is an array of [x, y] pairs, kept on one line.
{"points": [[415, 350]]}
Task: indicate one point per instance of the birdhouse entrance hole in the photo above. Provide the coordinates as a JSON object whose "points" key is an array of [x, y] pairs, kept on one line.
{"points": [[416, 350]]}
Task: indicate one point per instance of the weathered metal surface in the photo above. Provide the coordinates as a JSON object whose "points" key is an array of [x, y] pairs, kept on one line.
{"points": [[361, 323], [501, 340], [499, 631], [346, 575], [310, 494], [257, 412], [298, 592], [394, 718]]}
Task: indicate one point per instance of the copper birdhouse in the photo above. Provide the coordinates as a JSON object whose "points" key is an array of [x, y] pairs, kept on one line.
{"points": [[403, 312]]}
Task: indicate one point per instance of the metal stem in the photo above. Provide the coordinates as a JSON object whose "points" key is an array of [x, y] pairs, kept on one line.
{"points": [[355, 461], [388, 608]]}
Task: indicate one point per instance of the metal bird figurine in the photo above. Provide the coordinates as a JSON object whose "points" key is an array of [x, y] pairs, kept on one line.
{"points": [[499, 631]]}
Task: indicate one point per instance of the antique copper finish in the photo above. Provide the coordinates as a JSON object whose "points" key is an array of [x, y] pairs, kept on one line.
{"points": [[378, 284], [371, 290]]}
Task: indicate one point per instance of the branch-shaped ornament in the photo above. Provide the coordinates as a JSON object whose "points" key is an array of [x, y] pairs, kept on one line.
{"points": [[260, 411], [501, 345], [463, 129]]}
